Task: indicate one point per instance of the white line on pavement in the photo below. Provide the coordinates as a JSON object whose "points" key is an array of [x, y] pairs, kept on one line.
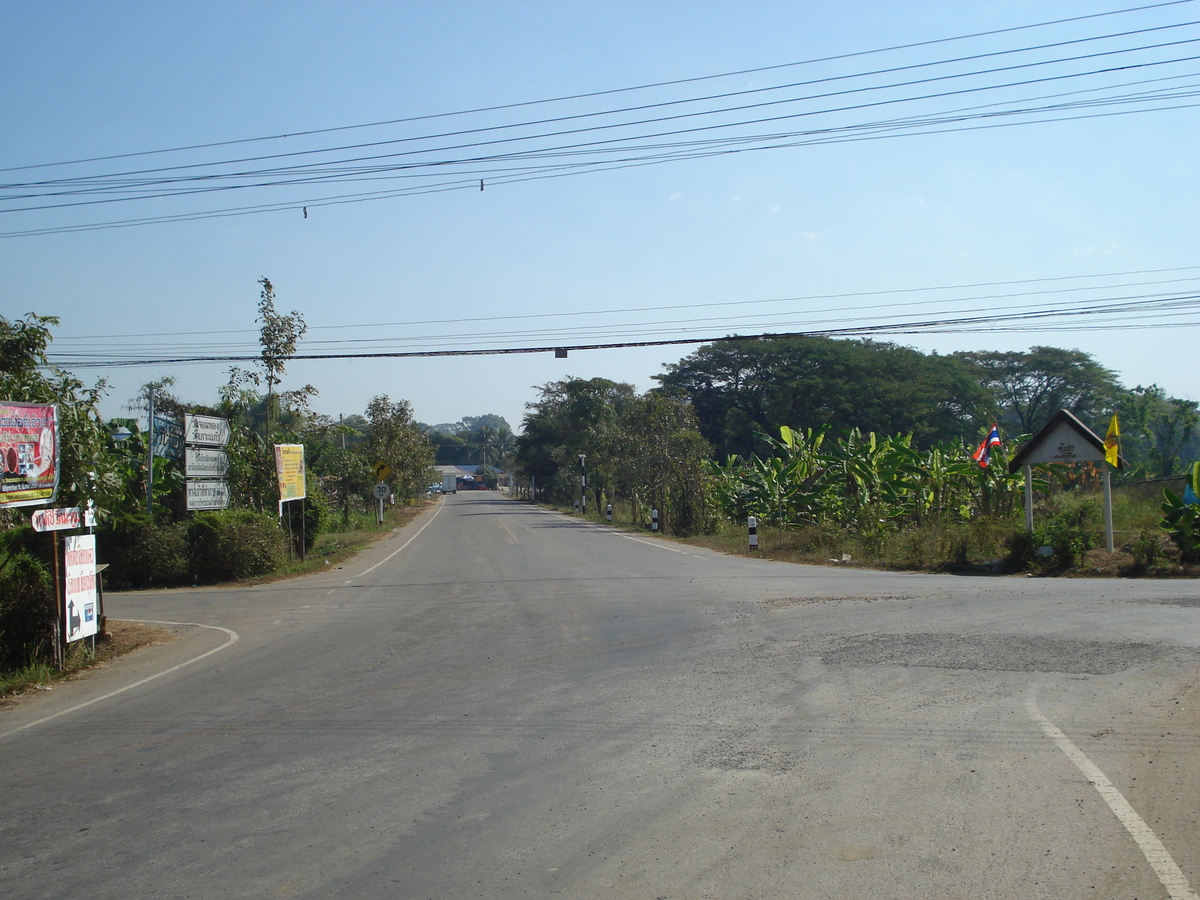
{"points": [[401, 547], [233, 638], [1152, 848]]}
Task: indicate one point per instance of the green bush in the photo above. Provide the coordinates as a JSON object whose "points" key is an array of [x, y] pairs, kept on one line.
{"points": [[142, 552], [26, 611], [1071, 530], [233, 543]]}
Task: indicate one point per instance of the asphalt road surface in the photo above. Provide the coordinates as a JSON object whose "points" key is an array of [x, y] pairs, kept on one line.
{"points": [[500, 701]]}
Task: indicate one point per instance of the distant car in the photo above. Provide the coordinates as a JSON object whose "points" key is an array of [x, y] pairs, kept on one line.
{"points": [[435, 489]]}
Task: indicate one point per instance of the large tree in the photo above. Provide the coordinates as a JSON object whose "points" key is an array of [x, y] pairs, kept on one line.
{"points": [[1031, 387], [395, 439], [745, 387], [570, 417]]}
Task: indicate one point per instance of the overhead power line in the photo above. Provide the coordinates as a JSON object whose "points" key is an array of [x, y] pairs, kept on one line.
{"points": [[655, 132], [612, 91]]}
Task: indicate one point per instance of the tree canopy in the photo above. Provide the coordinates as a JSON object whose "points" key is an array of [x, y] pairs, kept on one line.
{"points": [[746, 387]]}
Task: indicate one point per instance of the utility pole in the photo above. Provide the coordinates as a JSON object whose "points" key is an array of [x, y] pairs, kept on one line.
{"points": [[150, 453], [583, 483]]}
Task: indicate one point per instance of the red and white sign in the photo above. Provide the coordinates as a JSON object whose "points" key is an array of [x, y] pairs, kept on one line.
{"points": [[62, 519], [80, 618]]}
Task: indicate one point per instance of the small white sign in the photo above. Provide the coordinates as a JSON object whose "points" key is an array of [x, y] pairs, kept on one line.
{"points": [[79, 591], [62, 519], [207, 494], [382, 491], [210, 430], [206, 463]]}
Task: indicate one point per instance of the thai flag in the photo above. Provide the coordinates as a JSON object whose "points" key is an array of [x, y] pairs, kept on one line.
{"points": [[983, 455]]}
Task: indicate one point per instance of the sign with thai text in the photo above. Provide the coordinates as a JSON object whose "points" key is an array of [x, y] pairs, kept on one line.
{"points": [[62, 519], [168, 438], [206, 463], [1064, 444], [207, 494], [28, 454], [80, 617], [289, 466], [209, 430]]}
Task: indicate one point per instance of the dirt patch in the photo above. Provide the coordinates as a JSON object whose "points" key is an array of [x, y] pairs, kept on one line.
{"points": [[125, 637], [118, 639]]}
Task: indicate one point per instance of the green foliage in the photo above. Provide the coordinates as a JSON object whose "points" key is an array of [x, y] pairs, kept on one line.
{"points": [[1029, 388], [1181, 519], [871, 482], [26, 610], [1156, 430], [234, 543], [142, 551], [741, 389], [394, 438], [1070, 530]]}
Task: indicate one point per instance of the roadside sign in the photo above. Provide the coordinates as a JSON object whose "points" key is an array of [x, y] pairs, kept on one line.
{"points": [[204, 462], [289, 466], [168, 438], [62, 519], [207, 494], [79, 590], [210, 430], [382, 471], [382, 491]]}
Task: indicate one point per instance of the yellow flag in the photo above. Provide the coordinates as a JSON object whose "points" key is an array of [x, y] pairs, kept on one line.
{"points": [[1112, 442]]}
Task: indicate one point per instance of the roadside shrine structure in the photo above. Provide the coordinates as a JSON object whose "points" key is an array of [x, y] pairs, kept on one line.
{"points": [[1065, 440]]}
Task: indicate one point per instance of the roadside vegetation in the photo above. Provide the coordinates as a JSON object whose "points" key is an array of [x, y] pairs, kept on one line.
{"points": [[850, 451]]}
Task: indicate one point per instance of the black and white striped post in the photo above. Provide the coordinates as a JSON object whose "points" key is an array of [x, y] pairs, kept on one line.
{"points": [[654, 520], [608, 512], [752, 526]]}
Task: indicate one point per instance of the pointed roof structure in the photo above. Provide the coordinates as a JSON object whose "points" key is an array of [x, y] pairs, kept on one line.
{"points": [[1064, 439]]}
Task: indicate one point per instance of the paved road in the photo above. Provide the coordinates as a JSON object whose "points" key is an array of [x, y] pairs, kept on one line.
{"points": [[500, 702]]}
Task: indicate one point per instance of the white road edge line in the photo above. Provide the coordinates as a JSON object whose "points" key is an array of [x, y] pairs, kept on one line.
{"points": [[650, 543], [233, 639], [613, 531], [1152, 848], [402, 546]]}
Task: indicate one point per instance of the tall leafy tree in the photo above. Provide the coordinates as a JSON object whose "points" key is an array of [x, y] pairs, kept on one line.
{"points": [[394, 438], [570, 417], [743, 388], [1031, 387], [1157, 430]]}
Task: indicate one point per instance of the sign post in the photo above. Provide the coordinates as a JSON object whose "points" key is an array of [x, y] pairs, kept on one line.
{"points": [[206, 462], [289, 468], [382, 491]]}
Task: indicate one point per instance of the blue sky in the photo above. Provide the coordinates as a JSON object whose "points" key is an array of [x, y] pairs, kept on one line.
{"points": [[780, 238]]}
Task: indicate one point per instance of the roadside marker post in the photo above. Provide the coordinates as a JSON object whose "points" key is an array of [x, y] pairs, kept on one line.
{"points": [[752, 526], [608, 512], [654, 520]]}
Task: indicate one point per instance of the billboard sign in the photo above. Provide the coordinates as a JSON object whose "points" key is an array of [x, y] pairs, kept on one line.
{"points": [[207, 494], [210, 430], [28, 454], [79, 590], [289, 466]]}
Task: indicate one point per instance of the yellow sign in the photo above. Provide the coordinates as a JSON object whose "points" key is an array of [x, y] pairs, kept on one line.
{"points": [[289, 467], [382, 470]]}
